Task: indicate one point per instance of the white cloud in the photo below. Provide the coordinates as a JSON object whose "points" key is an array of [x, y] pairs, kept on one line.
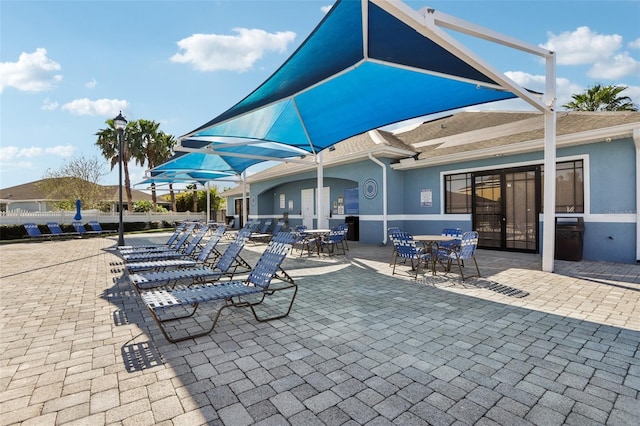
{"points": [[49, 105], [11, 153], [586, 47], [326, 9], [615, 68], [99, 107], [564, 87], [33, 72], [582, 46], [635, 44], [214, 52], [90, 84], [633, 92], [63, 151]]}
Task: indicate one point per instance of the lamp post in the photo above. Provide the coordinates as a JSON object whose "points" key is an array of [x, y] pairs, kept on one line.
{"points": [[120, 123]]}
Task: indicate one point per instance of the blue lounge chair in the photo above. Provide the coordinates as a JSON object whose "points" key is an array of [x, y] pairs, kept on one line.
{"points": [[96, 227], [33, 232], [188, 251], [225, 267], [203, 258], [80, 229], [57, 231], [168, 306]]}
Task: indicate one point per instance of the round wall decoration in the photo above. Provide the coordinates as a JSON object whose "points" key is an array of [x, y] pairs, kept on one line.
{"points": [[370, 188]]}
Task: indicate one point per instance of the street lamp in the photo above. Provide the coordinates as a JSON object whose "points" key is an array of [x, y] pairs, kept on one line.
{"points": [[120, 123]]}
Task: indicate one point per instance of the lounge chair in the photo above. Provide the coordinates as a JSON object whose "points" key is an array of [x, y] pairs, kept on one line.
{"points": [[33, 232], [265, 237], [225, 267], [96, 227], [175, 242], [57, 231], [80, 229], [188, 251], [202, 259], [168, 306]]}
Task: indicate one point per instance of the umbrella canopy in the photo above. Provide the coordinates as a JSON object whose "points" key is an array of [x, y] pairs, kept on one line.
{"points": [[366, 65]]}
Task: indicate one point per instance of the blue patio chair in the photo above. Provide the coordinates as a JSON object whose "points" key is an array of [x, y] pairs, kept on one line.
{"points": [[207, 256], [96, 227], [266, 236], [57, 231], [82, 230], [225, 267], [304, 240], [451, 232], [33, 232], [465, 251], [406, 249], [171, 244], [189, 250], [390, 233], [333, 241], [168, 306]]}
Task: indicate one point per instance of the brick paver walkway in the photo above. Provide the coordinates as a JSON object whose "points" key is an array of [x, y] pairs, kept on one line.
{"points": [[360, 346]]}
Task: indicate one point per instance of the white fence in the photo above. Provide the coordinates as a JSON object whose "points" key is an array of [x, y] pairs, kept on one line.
{"points": [[41, 218]]}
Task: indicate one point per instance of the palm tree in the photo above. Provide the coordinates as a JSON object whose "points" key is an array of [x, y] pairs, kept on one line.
{"points": [[601, 98], [108, 144], [144, 140], [162, 151]]}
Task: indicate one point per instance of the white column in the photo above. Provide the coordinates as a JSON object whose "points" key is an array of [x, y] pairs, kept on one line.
{"points": [[549, 215]]}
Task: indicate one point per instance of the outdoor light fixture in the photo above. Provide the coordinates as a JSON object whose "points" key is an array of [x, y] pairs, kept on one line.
{"points": [[120, 123]]}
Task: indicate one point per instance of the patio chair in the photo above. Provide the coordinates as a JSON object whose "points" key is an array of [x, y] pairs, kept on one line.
{"points": [[175, 242], [96, 227], [33, 232], [80, 229], [465, 251], [189, 250], [203, 258], [266, 236], [451, 232], [333, 241], [168, 306], [57, 231], [225, 267], [406, 248], [304, 240], [390, 233]]}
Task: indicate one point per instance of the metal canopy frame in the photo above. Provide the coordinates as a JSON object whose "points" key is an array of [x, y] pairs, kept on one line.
{"points": [[256, 128]]}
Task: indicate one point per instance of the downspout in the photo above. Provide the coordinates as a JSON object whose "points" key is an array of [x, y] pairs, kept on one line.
{"points": [[384, 196], [244, 198], [636, 141]]}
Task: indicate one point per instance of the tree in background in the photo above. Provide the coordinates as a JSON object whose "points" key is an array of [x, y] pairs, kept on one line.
{"points": [[186, 201], [108, 144], [77, 179], [152, 147], [601, 98]]}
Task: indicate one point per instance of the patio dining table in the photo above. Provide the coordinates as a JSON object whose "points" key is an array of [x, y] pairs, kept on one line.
{"points": [[433, 241]]}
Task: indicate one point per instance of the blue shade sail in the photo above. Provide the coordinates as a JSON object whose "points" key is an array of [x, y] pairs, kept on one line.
{"points": [[363, 67]]}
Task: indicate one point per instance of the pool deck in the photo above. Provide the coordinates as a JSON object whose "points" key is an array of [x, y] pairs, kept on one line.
{"points": [[361, 346]]}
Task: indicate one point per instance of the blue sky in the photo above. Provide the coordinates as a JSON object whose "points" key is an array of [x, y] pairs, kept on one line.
{"points": [[67, 66]]}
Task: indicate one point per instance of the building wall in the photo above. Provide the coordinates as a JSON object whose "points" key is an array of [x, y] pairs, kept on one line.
{"points": [[610, 216]]}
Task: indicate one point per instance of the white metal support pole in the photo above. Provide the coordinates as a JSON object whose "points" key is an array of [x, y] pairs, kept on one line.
{"points": [[322, 221], [636, 141], [549, 215], [244, 198], [208, 201], [384, 197]]}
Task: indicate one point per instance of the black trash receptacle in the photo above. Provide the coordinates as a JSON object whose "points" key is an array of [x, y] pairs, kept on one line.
{"points": [[353, 234], [569, 238]]}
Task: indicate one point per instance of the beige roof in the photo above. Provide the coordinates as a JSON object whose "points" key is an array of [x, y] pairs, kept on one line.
{"points": [[467, 132], [472, 131], [30, 192]]}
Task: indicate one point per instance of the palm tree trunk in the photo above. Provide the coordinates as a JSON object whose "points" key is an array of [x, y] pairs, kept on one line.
{"points": [[153, 197], [127, 185], [173, 198]]}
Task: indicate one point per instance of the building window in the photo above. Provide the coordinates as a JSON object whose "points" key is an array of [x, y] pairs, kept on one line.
{"points": [[457, 190], [569, 187]]}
